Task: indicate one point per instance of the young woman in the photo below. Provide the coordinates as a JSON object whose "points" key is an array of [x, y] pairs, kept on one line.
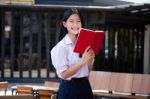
{"points": [[72, 68]]}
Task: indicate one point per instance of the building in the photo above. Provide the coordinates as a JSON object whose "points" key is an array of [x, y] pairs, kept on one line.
{"points": [[29, 29]]}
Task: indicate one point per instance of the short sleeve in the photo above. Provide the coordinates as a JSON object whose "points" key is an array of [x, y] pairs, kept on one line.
{"points": [[59, 58]]}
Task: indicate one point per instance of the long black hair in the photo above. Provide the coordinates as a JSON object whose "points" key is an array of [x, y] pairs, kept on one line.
{"points": [[67, 14]]}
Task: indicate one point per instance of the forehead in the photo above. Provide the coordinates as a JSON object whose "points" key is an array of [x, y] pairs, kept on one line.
{"points": [[74, 16]]}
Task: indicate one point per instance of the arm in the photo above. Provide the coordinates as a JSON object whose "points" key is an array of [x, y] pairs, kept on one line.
{"points": [[91, 61], [72, 70], [90, 64], [87, 56]]}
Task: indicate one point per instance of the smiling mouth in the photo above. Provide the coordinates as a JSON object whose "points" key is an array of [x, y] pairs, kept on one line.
{"points": [[77, 29]]}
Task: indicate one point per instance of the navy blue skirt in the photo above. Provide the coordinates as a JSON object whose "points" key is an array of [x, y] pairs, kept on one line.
{"points": [[75, 89]]}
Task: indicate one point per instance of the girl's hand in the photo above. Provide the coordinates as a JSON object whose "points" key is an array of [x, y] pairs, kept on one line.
{"points": [[88, 55], [91, 62]]}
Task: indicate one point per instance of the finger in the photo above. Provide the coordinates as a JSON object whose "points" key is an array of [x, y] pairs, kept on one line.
{"points": [[91, 51], [87, 49]]}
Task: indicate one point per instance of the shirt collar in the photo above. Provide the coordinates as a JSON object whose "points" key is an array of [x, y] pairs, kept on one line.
{"points": [[67, 39]]}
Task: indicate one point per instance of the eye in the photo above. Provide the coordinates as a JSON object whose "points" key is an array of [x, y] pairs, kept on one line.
{"points": [[71, 21], [78, 21]]}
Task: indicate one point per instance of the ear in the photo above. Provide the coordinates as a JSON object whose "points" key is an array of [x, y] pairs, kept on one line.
{"points": [[64, 24]]}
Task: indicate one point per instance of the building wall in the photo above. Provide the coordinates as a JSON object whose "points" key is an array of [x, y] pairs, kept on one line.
{"points": [[34, 31]]}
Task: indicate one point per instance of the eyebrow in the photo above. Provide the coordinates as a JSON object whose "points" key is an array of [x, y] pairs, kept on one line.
{"points": [[73, 19]]}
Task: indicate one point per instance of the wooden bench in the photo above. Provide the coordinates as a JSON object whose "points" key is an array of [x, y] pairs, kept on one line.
{"points": [[17, 97], [120, 85], [23, 90], [46, 94], [3, 86], [100, 84]]}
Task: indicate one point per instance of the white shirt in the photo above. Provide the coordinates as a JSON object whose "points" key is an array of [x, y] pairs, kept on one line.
{"points": [[63, 57]]}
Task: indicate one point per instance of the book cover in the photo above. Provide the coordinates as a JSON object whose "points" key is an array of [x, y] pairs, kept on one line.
{"points": [[87, 38]]}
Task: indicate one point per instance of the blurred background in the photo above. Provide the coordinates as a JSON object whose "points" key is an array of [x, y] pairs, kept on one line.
{"points": [[29, 29]]}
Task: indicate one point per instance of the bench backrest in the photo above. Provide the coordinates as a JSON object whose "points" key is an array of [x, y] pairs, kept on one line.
{"points": [[51, 84], [113, 81], [45, 94], [120, 82], [124, 83], [3, 86], [92, 78], [24, 90], [102, 80], [141, 84]]}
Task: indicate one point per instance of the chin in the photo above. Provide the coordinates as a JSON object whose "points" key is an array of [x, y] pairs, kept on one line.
{"points": [[75, 33]]}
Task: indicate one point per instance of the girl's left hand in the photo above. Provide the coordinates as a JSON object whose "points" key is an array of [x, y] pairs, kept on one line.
{"points": [[91, 61], [88, 55]]}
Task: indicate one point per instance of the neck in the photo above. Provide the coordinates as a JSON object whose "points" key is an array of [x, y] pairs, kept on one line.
{"points": [[73, 37]]}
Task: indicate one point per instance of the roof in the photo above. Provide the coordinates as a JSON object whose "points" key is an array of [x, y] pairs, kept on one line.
{"points": [[115, 7], [111, 5], [137, 1], [84, 2]]}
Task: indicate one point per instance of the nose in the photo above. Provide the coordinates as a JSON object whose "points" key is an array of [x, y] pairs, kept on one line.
{"points": [[77, 24]]}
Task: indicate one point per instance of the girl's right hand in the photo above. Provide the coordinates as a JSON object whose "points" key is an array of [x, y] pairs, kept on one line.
{"points": [[87, 55]]}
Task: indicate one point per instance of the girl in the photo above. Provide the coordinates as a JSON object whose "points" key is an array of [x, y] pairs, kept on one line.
{"points": [[72, 68]]}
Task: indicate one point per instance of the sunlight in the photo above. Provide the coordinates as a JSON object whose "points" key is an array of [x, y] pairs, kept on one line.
{"points": [[137, 1]]}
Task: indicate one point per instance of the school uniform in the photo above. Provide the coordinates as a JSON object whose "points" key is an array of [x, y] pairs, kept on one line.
{"points": [[76, 86]]}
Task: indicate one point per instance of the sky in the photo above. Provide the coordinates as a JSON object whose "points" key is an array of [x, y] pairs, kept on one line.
{"points": [[138, 1]]}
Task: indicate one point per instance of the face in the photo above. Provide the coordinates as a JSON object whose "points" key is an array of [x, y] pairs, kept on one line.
{"points": [[73, 24]]}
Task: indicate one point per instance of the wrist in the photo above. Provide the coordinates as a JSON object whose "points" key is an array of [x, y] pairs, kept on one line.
{"points": [[81, 62], [93, 61]]}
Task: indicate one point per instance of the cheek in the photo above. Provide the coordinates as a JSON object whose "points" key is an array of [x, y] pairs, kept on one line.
{"points": [[80, 25]]}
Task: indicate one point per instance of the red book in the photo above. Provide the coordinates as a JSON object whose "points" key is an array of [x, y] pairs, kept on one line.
{"points": [[87, 38]]}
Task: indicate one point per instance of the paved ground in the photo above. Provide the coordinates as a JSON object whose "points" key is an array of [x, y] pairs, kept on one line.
{"points": [[9, 91]]}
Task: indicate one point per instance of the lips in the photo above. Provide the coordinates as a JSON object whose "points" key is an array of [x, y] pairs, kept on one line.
{"points": [[75, 29]]}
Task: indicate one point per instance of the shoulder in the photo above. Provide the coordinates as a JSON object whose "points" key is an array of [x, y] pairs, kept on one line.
{"points": [[60, 46]]}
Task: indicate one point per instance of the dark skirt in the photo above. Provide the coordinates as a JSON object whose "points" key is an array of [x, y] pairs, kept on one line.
{"points": [[75, 89]]}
